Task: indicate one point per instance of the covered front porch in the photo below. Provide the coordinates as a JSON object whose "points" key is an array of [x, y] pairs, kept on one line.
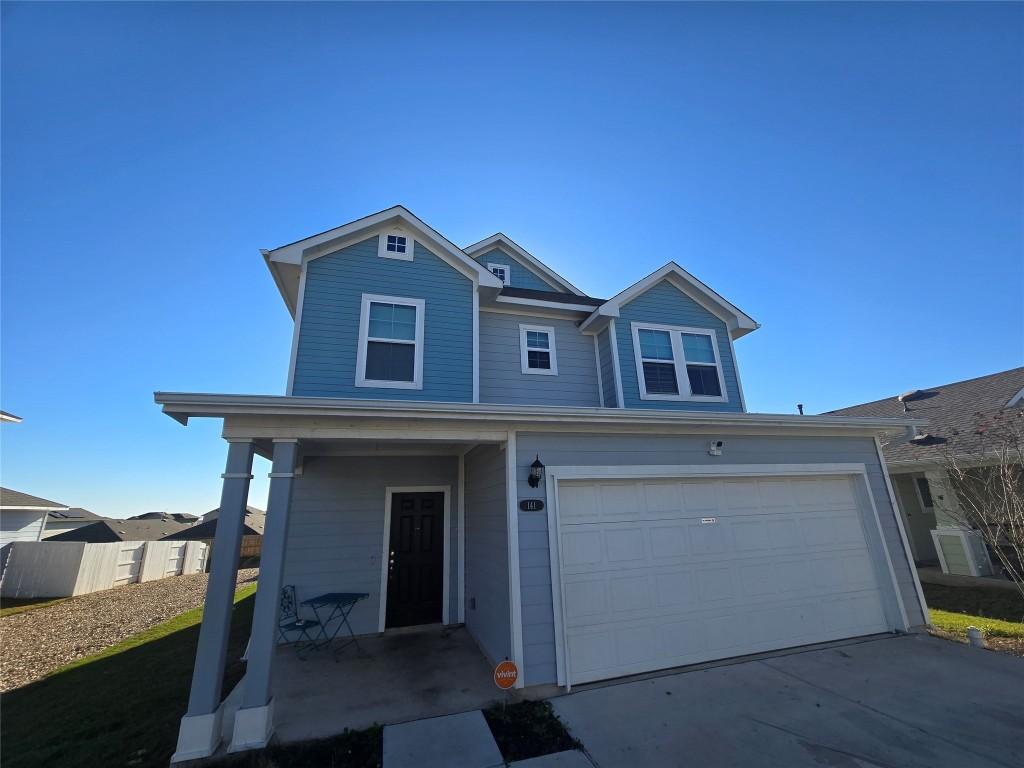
{"points": [[395, 677], [414, 519]]}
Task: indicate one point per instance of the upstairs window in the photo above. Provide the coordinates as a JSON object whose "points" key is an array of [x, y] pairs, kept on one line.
{"points": [[395, 245], [500, 271], [701, 365], [658, 362], [390, 352], [676, 363], [537, 350]]}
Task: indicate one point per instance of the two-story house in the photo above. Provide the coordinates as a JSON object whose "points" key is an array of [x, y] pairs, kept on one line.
{"points": [[469, 439]]}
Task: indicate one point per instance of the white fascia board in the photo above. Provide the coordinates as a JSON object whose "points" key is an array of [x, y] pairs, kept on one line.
{"points": [[183, 405], [738, 322], [504, 242], [542, 304], [39, 510], [599, 319], [333, 239], [286, 278]]}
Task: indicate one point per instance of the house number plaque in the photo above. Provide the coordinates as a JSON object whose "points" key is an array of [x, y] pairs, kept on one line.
{"points": [[531, 505]]}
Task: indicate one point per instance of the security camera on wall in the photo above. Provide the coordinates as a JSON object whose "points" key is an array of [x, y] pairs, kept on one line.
{"points": [[715, 447]]}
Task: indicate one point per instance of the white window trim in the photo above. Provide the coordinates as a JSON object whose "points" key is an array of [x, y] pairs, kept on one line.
{"points": [[523, 349], [364, 326], [679, 360], [508, 272], [382, 245]]}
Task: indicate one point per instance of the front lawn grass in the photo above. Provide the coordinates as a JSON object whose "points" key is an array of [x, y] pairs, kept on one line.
{"points": [[999, 613], [528, 729], [12, 605], [121, 706]]}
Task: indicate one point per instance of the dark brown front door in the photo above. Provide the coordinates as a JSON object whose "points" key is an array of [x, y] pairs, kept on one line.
{"points": [[416, 559]]}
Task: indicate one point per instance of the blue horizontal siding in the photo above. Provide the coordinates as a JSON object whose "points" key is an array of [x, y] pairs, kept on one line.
{"points": [[666, 304], [325, 363], [522, 275], [501, 374]]}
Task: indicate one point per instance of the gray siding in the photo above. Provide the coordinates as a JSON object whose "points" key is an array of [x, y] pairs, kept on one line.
{"points": [[20, 525], [664, 303], [604, 348], [595, 450], [522, 276], [487, 582], [325, 362], [502, 379], [336, 527]]}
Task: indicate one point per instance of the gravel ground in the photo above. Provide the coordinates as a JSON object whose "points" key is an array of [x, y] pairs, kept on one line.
{"points": [[37, 642]]}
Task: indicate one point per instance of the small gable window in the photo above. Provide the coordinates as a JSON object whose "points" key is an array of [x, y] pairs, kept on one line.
{"points": [[501, 271], [675, 363], [390, 352], [537, 350], [395, 245]]}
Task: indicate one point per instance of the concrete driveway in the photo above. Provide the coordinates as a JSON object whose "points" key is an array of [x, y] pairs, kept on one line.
{"points": [[901, 701]]}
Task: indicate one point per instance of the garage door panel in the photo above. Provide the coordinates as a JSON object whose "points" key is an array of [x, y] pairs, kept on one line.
{"points": [[624, 545], [785, 562], [673, 589], [669, 540]]}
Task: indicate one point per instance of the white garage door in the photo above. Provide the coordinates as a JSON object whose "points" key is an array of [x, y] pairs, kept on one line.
{"points": [[660, 573]]}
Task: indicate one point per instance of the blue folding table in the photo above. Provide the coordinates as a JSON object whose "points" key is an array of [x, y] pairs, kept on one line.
{"points": [[341, 605]]}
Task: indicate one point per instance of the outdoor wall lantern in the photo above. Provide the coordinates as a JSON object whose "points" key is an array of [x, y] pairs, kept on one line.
{"points": [[536, 473]]}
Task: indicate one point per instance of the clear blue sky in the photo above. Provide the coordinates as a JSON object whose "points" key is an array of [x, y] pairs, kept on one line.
{"points": [[849, 175]]}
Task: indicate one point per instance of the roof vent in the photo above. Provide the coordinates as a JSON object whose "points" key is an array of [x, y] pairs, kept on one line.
{"points": [[909, 397], [927, 439]]}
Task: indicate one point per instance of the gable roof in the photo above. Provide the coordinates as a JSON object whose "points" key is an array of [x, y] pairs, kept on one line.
{"points": [[11, 499], [505, 243], [252, 525], [285, 261], [736, 320], [111, 530], [249, 510], [5, 416], [953, 410]]}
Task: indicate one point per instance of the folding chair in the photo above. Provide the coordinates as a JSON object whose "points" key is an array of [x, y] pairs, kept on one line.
{"points": [[288, 621]]}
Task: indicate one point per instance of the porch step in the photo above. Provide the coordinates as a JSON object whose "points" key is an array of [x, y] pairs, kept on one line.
{"points": [[453, 741]]}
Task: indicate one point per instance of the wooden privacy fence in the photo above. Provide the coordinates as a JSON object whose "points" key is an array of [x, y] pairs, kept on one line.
{"points": [[67, 568]]}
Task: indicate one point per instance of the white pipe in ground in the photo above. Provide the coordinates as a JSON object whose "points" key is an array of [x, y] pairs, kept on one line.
{"points": [[975, 637]]}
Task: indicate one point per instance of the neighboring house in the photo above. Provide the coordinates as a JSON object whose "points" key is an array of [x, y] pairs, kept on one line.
{"points": [[470, 439], [206, 529], [23, 518], [67, 520], [928, 506], [178, 517], [111, 529]]}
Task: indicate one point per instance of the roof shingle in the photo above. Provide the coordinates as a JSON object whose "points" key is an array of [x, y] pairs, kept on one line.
{"points": [[953, 410]]}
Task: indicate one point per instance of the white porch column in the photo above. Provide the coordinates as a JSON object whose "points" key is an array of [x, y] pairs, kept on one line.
{"points": [[199, 734], [254, 721]]}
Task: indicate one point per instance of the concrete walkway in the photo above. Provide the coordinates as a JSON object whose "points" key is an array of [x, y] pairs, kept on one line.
{"points": [[913, 701], [453, 741]]}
